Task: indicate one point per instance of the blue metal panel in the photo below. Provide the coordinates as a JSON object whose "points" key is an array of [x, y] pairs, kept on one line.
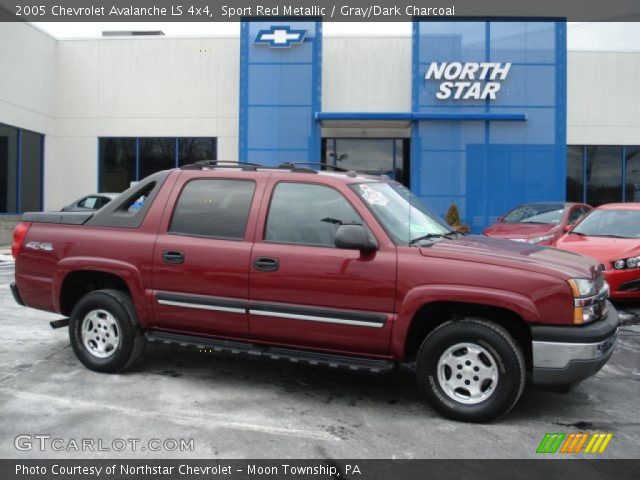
{"points": [[412, 116], [279, 92], [466, 156]]}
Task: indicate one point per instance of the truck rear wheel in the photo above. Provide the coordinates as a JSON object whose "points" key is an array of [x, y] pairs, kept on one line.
{"points": [[471, 370], [104, 331]]}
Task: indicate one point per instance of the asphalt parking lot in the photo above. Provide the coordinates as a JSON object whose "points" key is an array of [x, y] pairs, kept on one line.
{"points": [[239, 408]]}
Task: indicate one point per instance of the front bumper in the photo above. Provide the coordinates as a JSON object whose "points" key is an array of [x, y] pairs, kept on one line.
{"points": [[623, 283], [566, 355]]}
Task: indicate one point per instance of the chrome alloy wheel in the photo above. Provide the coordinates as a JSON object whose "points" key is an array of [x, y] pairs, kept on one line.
{"points": [[100, 333], [467, 373]]}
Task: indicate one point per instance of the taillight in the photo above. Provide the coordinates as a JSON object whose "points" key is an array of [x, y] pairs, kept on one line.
{"points": [[18, 237]]}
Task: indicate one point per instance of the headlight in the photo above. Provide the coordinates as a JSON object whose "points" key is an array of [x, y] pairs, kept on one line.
{"points": [[544, 238], [589, 304], [621, 264], [582, 287]]}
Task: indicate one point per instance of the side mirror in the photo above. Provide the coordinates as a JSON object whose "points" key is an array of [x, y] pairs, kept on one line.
{"points": [[501, 219], [355, 237]]}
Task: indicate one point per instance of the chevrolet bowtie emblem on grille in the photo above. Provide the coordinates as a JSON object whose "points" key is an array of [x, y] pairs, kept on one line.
{"points": [[280, 36]]}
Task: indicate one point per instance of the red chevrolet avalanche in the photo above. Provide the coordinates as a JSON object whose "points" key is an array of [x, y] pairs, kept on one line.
{"points": [[325, 268]]}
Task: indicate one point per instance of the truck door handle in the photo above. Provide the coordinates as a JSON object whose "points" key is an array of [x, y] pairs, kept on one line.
{"points": [[173, 256], [266, 264]]}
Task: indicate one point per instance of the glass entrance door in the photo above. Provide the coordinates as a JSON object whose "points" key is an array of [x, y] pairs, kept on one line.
{"points": [[375, 156]]}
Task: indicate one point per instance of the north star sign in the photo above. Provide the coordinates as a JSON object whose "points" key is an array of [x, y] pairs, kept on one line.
{"points": [[468, 81], [280, 36]]}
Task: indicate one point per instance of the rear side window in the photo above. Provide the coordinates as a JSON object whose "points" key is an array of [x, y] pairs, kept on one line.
{"points": [[213, 208], [89, 202], [307, 214]]}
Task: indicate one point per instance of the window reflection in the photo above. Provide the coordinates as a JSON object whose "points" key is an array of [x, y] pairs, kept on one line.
{"points": [[8, 169], [118, 163], [604, 174], [20, 170], [632, 162], [196, 149], [124, 160], [156, 154], [575, 173], [375, 156]]}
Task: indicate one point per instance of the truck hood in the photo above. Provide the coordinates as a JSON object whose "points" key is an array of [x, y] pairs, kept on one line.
{"points": [[474, 248], [603, 249]]}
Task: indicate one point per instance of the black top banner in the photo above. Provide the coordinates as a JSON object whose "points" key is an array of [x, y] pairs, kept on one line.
{"points": [[329, 11]]}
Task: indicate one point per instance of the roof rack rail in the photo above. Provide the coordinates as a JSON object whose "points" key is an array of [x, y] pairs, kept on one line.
{"points": [[221, 163], [291, 166], [319, 164]]}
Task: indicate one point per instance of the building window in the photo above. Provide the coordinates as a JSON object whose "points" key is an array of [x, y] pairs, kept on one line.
{"points": [[603, 174], [124, 160], [376, 156], [575, 173], [632, 170], [599, 174], [117, 163], [20, 170]]}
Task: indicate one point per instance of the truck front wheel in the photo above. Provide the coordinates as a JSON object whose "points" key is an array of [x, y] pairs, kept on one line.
{"points": [[471, 370], [104, 331]]}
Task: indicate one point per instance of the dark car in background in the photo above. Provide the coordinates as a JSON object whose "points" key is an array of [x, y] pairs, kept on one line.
{"points": [[611, 235], [95, 201], [541, 223]]}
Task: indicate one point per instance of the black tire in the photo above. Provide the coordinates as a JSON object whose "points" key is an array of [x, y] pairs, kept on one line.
{"points": [[130, 338], [503, 350]]}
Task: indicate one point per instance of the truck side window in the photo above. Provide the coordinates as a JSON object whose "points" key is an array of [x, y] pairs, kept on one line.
{"points": [[309, 214], [213, 208]]}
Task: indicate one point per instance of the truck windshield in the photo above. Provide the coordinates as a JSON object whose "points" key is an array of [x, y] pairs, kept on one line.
{"points": [[403, 215]]}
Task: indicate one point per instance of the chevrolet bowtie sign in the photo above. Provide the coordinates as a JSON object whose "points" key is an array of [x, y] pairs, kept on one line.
{"points": [[468, 81], [280, 36]]}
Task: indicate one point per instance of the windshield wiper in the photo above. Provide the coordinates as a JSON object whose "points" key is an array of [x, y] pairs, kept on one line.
{"points": [[573, 232], [449, 235], [610, 235]]}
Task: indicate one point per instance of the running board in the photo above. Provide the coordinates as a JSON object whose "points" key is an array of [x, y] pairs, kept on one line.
{"points": [[357, 364]]}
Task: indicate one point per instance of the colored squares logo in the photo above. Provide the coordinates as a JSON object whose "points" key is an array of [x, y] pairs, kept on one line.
{"points": [[581, 442]]}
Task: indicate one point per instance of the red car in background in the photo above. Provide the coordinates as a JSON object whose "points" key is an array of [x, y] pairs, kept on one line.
{"points": [[611, 235], [540, 223]]}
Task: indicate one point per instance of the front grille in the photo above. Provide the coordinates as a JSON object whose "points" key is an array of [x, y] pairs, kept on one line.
{"points": [[630, 286], [599, 279]]}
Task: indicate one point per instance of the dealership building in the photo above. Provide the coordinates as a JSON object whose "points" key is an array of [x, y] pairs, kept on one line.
{"points": [[482, 114]]}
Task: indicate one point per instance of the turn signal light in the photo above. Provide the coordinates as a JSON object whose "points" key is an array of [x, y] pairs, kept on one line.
{"points": [[578, 316]]}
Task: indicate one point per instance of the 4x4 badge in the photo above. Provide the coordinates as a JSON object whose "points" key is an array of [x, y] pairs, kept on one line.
{"points": [[46, 246]]}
